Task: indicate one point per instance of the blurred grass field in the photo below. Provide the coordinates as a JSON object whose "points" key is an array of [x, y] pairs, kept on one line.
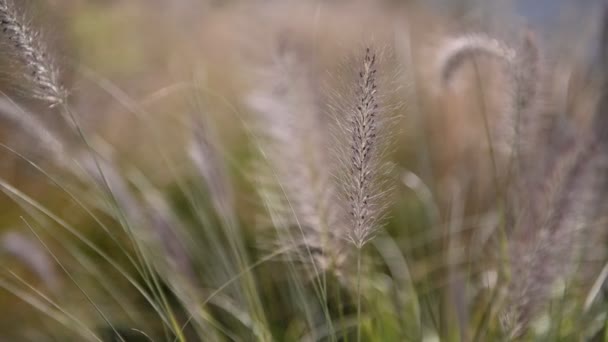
{"points": [[81, 263]]}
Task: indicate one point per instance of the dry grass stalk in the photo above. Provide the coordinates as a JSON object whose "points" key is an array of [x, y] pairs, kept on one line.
{"points": [[29, 49]]}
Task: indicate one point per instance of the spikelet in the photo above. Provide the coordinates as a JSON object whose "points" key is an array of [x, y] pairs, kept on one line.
{"points": [[27, 46]]}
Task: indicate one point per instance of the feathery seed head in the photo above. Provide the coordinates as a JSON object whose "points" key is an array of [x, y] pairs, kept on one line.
{"points": [[29, 49], [363, 138], [360, 150]]}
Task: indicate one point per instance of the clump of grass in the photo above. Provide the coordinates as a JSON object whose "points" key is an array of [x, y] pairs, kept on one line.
{"points": [[550, 201]]}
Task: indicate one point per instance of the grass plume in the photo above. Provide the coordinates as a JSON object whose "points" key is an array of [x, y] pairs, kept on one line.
{"points": [[29, 49], [364, 171]]}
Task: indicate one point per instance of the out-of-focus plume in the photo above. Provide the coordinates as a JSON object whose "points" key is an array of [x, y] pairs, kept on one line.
{"points": [[522, 66], [544, 244], [457, 50], [295, 143], [31, 254], [556, 209]]}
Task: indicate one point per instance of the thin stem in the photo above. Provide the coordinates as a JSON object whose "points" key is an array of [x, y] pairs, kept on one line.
{"points": [[358, 294]]}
